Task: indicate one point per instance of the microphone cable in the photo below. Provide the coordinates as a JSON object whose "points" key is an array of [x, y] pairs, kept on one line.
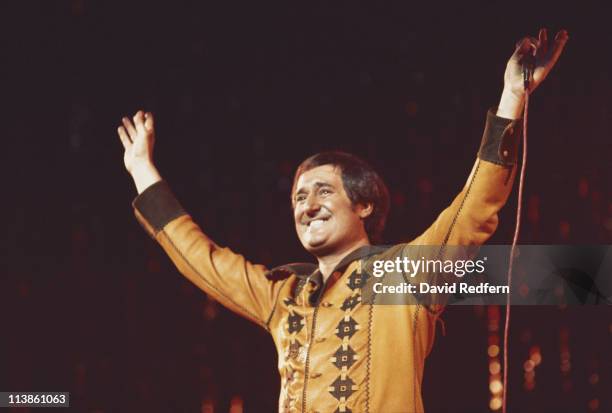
{"points": [[527, 73]]}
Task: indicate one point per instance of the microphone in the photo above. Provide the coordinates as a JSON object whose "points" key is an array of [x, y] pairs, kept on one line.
{"points": [[528, 66]]}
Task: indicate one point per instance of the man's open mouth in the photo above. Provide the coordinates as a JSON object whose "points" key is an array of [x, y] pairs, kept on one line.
{"points": [[314, 223]]}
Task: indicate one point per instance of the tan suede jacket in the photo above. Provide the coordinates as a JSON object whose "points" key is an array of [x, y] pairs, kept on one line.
{"points": [[335, 352]]}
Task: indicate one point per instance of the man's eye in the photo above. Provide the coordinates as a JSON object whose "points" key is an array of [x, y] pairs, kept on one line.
{"points": [[325, 191], [300, 198]]}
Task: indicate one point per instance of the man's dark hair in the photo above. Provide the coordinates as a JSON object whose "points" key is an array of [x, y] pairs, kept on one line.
{"points": [[361, 183]]}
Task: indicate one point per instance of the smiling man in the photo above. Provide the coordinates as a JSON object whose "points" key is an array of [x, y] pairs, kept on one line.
{"points": [[338, 352], [339, 204]]}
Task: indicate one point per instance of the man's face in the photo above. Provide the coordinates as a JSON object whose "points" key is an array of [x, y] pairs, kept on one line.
{"points": [[325, 219]]}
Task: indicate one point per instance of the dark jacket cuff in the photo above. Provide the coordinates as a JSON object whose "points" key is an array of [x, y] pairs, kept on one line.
{"points": [[500, 140], [158, 205]]}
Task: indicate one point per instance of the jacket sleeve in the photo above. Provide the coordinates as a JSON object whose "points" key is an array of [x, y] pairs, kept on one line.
{"points": [[471, 218], [226, 276]]}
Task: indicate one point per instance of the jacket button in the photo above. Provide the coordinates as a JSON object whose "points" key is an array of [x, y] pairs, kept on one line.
{"points": [[326, 304], [505, 153], [315, 375], [320, 339]]}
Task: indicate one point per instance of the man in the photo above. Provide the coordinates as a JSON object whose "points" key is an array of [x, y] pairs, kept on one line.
{"points": [[336, 352]]}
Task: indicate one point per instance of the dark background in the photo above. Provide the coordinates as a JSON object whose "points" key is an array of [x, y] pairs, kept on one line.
{"points": [[242, 92]]}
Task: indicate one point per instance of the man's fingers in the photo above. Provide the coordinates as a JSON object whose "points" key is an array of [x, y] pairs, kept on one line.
{"points": [[534, 44], [129, 127], [149, 121], [139, 121], [561, 36], [543, 42], [123, 136], [524, 46], [557, 48]]}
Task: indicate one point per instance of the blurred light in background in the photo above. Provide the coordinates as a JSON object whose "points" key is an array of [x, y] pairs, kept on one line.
{"points": [[496, 386], [565, 359], [236, 405]]}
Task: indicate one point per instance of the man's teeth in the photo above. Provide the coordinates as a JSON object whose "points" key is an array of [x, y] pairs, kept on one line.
{"points": [[316, 223]]}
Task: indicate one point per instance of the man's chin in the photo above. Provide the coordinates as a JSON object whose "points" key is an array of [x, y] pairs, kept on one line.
{"points": [[317, 247]]}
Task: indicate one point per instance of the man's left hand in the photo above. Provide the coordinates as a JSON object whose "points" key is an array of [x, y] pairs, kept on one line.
{"points": [[545, 57]]}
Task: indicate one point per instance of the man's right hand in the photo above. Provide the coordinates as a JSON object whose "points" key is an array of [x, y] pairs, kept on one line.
{"points": [[138, 139]]}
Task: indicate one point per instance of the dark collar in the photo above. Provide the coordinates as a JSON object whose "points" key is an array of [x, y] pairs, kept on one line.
{"points": [[301, 269], [311, 271]]}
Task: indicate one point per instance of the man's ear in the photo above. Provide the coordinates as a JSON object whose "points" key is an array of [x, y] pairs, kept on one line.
{"points": [[365, 211]]}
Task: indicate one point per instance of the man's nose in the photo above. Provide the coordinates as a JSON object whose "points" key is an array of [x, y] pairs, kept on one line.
{"points": [[312, 204]]}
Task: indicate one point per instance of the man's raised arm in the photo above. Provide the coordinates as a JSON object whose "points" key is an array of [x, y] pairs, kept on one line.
{"points": [[472, 218], [228, 277]]}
